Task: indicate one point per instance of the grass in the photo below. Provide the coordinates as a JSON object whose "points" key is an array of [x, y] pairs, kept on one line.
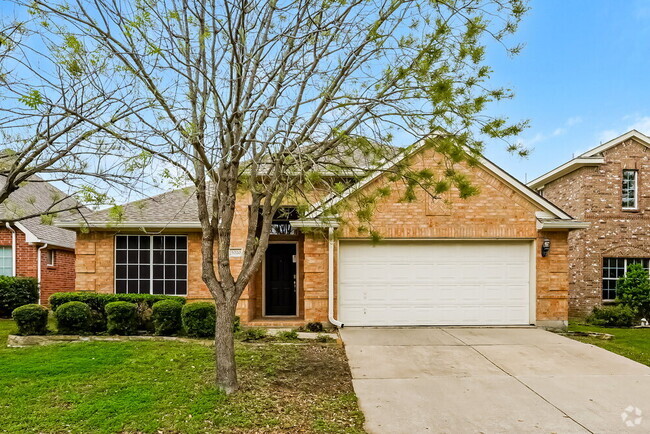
{"points": [[631, 343], [169, 387]]}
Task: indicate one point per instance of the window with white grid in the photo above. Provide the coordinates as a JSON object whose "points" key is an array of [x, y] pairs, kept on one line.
{"points": [[614, 269], [629, 189], [6, 261], [151, 264]]}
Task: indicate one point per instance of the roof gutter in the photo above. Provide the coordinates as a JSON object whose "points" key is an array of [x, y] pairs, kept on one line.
{"points": [[564, 169], [13, 249], [561, 224], [128, 225], [330, 280], [39, 267]]}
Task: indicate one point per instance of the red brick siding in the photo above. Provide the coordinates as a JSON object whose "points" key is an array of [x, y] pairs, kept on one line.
{"points": [[594, 194], [54, 279]]}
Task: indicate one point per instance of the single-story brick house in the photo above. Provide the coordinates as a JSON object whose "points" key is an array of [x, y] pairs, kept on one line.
{"points": [[31, 248], [475, 261], [608, 186]]}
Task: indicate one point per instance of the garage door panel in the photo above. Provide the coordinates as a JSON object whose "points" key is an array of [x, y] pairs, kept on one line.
{"points": [[429, 283]]}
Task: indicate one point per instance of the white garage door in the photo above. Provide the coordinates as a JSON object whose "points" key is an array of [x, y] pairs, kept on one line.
{"points": [[434, 283]]}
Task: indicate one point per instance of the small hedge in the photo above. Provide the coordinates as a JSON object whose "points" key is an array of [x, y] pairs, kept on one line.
{"points": [[199, 319], [97, 303], [612, 316], [73, 318], [121, 318], [31, 319], [167, 317], [16, 292]]}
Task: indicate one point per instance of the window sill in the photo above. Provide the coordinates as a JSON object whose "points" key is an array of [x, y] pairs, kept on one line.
{"points": [[609, 302], [632, 210]]}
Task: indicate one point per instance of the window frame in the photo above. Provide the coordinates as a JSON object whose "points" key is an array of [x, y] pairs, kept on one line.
{"points": [[150, 265], [635, 187], [51, 255], [626, 262], [10, 249]]}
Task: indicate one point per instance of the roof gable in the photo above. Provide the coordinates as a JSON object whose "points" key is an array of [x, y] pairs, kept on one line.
{"points": [[593, 157], [486, 164]]}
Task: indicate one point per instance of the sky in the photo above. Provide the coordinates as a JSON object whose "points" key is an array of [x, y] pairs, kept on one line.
{"points": [[582, 79]]}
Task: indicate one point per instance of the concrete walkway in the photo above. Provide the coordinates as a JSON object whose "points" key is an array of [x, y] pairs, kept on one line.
{"points": [[490, 380]]}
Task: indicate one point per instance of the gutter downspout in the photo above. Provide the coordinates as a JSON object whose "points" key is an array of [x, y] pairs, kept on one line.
{"points": [[330, 280], [44, 246], [13, 249]]}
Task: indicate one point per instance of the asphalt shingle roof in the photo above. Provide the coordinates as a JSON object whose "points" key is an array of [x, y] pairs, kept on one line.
{"points": [[35, 197]]}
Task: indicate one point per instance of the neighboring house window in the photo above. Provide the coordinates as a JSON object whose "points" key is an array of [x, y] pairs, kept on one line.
{"points": [[630, 189], [614, 269], [6, 261], [151, 264], [51, 257]]}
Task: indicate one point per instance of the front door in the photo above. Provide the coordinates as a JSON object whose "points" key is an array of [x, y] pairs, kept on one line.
{"points": [[280, 280]]}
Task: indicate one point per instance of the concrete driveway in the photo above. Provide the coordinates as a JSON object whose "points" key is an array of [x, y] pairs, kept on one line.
{"points": [[458, 380]]}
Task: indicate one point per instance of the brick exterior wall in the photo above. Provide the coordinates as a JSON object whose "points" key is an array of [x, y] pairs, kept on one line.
{"points": [[59, 278], [594, 194], [498, 212]]}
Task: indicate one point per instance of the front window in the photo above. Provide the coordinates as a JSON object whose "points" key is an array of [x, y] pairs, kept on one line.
{"points": [[629, 189], [6, 261], [151, 264], [614, 269]]}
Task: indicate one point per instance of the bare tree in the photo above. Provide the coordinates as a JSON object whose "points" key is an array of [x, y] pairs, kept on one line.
{"points": [[52, 117], [253, 100]]}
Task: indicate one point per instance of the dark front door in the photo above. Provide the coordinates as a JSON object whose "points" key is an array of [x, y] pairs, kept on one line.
{"points": [[280, 279]]}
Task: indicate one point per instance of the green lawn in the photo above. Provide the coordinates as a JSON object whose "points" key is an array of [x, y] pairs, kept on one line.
{"points": [[631, 343], [169, 387]]}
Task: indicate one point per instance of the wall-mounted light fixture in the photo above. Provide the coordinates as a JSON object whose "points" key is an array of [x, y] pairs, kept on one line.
{"points": [[546, 247]]}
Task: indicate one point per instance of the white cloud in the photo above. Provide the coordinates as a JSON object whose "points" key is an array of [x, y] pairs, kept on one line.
{"points": [[575, 120], [639, 123]]}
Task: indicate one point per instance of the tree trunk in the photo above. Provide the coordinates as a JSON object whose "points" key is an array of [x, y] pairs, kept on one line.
{"points": [[224, 347]]}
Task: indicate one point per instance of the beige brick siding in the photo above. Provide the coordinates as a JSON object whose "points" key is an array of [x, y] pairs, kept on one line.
{"points": [[498, 212]]}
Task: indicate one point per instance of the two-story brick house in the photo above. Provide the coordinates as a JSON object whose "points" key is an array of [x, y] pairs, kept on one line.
{"points": [[32, 248], [608, 186]]}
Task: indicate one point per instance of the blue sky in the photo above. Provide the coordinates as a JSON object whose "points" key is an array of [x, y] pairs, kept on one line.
{"points": [[583, 78]]}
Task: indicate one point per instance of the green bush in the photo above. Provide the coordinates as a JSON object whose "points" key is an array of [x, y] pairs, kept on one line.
{"points": [[252, 334], [612, 316], [31, 319], [16, 292], [315, 327], [236, 325], [288, 335], [73, 318], [199, 319], [633, 290], [97, 302], [167, 317], [121, 318]]}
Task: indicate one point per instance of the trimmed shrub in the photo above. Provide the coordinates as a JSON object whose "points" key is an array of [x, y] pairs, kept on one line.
{"points": [[236, 325], [98, 302], [31, 319], [167, 317], [73, 318], [612, 316], [253, 334], [121, 318], [288, 335], [633, 290], [199, 319], [16, 292], [315, 327]]}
